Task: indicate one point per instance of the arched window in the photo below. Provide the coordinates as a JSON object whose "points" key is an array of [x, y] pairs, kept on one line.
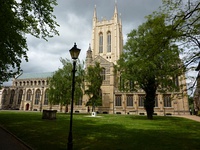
{"points": [[141, 100], [121, 83], [12, 96], [156, 101], [167, 100], [103, 73], [79, 102], [46, 98], [129, 100], [37, 96], [108, 41], [118, 100], [131, 85], [28, 96], [101, 42], [176, 82], [4, 94], [20, 97]]}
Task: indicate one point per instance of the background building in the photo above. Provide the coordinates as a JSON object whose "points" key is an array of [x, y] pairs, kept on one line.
{"points": [[196, 96], [106, 47], [29, 91]]}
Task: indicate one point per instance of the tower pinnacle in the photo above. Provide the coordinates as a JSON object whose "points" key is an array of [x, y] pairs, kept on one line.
{"points": [[95, 13]]}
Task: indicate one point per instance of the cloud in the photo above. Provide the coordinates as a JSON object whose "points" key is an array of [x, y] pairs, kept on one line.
{"points": [[75, 20]]}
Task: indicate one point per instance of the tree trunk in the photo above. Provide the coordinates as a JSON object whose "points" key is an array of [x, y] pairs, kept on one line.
{"points": [[66, 108], [50, 107], [149, 110], [93, 108], [149, 102]]}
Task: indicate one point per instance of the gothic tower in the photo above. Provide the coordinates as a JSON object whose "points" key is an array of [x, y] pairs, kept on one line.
{"points": [[107, 39], [106, 48]]}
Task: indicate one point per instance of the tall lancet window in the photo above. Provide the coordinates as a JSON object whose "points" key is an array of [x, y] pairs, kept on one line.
{"points": [[37, 96], [108, 41], [101, 42], [103, 73]]}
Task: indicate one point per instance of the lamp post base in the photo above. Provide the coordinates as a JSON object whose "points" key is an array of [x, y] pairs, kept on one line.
{"points": [[69, 146], [70, 143]]}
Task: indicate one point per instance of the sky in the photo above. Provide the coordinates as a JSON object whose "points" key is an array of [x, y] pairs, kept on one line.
{"points": [[75, 20]]}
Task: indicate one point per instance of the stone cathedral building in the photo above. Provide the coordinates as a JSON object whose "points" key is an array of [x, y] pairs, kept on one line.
{"points": [[29, 91]]}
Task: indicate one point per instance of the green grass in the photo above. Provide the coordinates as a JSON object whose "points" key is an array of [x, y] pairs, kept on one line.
{"points": [[108, 132]]}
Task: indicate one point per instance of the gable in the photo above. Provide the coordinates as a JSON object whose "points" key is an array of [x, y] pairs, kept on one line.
{"points": [[101, 60]]}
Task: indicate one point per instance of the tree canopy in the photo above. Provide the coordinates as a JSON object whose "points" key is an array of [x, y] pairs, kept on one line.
{"points": [[184, 18], [94, 81], [60, 85], [19, 18], [150, 61]]}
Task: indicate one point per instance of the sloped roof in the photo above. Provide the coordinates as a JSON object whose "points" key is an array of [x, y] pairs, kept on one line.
{"points": [[35, 75], [100, 59]]}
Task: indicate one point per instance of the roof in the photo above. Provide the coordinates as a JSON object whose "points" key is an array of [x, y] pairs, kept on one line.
{"points": [[35, 75]]}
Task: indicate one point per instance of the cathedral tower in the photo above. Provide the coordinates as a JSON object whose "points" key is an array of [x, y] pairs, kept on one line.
{"points": [[107, 38]]}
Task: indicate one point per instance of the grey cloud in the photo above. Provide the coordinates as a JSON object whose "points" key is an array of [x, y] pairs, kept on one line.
{"points": [[75, 19]]}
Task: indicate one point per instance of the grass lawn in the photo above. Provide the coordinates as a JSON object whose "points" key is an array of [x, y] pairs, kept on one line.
{"points": [[108, 132]]}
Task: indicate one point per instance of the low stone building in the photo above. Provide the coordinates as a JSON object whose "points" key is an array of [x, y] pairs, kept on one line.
{"points": [[29, 93]]}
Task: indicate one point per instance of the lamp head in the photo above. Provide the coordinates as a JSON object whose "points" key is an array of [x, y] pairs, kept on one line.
{"points": [[74, 52]]}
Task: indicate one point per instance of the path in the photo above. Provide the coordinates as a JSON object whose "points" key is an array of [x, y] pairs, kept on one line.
{"points": [[10, 142], [192, 117]]}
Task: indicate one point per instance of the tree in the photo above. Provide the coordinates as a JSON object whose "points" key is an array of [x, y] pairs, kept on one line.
{"points": [[19, 18], [60, 85], [184, 18], [93, 83], [150, 61]]}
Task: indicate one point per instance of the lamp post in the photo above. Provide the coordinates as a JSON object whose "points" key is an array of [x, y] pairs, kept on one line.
{"points": [[74, 52]]}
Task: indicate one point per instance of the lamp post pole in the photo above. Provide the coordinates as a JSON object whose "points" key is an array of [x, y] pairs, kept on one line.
{"points": [[70, 138], [74, 52]]}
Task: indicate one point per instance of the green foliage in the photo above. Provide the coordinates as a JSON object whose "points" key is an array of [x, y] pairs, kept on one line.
{"points": [[60, 85], [150, 54], [94, 81], [150, 61], [190, 100], [19, 18]]}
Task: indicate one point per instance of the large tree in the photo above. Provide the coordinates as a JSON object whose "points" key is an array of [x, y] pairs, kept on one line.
{"points": [[18, 18], [184, 18], [94, 81], [60, 84], [150, 61]]}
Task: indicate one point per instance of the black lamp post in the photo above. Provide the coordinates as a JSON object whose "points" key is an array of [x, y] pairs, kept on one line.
{"points": [[74, 52]]}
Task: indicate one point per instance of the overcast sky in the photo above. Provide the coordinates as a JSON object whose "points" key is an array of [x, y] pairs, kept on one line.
{"points": [[75, 20]]}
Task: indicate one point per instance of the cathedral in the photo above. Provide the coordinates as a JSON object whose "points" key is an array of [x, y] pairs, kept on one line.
{"points": [[29, 91]]}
